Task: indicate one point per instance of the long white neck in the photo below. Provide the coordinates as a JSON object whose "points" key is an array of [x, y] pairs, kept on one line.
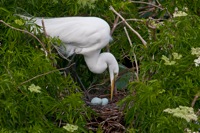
{"points": [[95, 62], [98, 63]]}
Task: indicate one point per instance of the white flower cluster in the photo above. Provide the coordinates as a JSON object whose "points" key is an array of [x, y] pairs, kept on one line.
{"points": [[184, 112], [179, 14], [33, 88], [176, 56], [190, 131], [70, 127], [196, 51]]}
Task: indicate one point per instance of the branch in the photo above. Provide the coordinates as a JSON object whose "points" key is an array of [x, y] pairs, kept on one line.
{"points": [[131, 19], [45, 74], [134, 31], [195, 99], [129, 39], [44, 28], [114, 25], [136, 64], [111, 32], [141, 2], [26, 33]]}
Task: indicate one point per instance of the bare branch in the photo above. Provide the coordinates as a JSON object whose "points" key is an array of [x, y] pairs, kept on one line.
{"points": [[44, 29], [45, 74], [137, 69], [134, 31], [141, 2], [129, 39], [157, 6], [194, 100], [114, 25], [131, 19]]}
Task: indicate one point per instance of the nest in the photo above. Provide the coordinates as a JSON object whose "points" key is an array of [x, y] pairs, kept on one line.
{"points": [[109, 118]]}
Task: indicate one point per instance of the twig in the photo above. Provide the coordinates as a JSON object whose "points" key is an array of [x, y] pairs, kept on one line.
{"points": [[159, 5], [111, 32], [131, 19], [129, 39], [198, 112], [114, 117], [137, 70], [194, 100], [44, 29], [45, 33], [136, 65], [45, 74], [141, 2], [114, 25], [26, 33], [134, 31]]}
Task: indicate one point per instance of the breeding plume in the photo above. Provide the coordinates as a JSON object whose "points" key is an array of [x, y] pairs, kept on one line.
{"points": [[86, 36]]}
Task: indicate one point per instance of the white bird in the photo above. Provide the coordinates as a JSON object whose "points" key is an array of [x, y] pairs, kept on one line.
{"points": [[86, 36]]}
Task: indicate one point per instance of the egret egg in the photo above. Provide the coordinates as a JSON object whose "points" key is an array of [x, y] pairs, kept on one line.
{"points": [[96, 101], [104, 101]]}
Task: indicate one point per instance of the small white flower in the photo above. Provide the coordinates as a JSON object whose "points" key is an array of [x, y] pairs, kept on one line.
{"points": [[70, 127], [177, 56], [197, 62], [195, 51], [179, 14], [184, 112], [33, 88]]}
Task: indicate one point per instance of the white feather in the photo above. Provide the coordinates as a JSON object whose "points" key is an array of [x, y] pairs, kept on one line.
{"points": [[83, 35]]}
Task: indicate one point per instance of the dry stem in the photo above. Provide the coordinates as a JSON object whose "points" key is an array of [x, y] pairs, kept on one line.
{"points": [[129, 39], [134, 31], [45, 74], [136, 64], [141, 2], [137, 70], [114, 25], [194, 100], [159, 5]]}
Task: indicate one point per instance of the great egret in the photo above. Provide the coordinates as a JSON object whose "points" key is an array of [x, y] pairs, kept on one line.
{"points": [[86, 36]]}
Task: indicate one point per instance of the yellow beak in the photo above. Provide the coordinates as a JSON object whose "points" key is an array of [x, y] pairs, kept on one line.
{"points": [[112, 87]]}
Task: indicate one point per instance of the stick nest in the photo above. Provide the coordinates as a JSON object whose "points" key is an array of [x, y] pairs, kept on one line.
{"points": [[109, 118]]}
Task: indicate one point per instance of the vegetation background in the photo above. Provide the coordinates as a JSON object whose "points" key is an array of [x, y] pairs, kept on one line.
{"points": [[36, 97]]}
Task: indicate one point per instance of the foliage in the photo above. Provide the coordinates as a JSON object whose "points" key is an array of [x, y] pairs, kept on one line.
{"points": [[168, 77], [168, 69], [45, 103]]}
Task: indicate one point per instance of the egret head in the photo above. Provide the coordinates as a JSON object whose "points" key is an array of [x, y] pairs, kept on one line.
{"points": [[98, 63]]}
